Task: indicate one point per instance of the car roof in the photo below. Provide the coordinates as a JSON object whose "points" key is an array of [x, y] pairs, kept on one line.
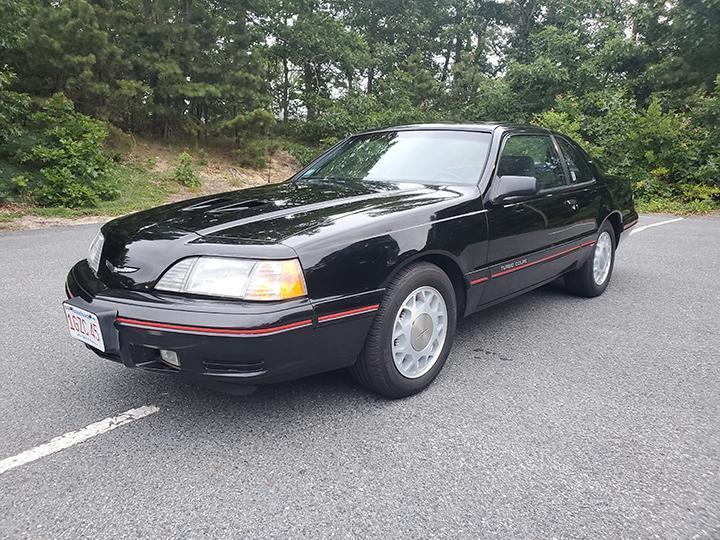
{"points": [[487, 127]]}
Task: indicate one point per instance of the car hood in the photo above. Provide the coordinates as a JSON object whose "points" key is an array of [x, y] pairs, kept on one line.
{"points": [[271, 213], [140, 246]]}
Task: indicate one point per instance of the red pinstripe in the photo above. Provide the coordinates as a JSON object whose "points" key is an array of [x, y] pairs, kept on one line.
{"points": [[208, 330], [547, 258], [348, 313], [154, 325]]}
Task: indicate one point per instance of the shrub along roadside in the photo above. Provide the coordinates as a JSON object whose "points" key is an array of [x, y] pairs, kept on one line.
{"points": [[52, 156], [671, 157], [141, 189], [59, 150], [185, 173]]}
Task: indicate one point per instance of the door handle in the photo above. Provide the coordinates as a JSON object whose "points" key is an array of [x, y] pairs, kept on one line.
{"points": [[572, 204]]}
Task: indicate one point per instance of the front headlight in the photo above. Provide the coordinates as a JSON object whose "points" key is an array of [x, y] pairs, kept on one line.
{"points": [[94, 252], [235, 278]]}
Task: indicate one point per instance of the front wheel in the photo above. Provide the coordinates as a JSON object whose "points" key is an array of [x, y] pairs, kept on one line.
{"points": [[411, 335], [592, 278]]}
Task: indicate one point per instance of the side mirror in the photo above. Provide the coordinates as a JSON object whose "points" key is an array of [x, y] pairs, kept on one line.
{"points": [[505, 187]]}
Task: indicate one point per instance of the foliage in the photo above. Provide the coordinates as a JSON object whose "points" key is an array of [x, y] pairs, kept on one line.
{"points": [[253, 153], [14, 108], [118, 143], [10, 180], [302, 153], [61, 148], [251, 132], [202, 158], [140, 189], [635, 82], [184, 172], [670, 158]]}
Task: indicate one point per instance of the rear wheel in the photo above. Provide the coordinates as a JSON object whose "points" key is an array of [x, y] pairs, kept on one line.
{"points": [[592, 278], [411, 335]]}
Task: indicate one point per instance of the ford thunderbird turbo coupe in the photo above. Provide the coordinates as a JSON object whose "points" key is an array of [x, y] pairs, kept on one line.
{"points": [[364, 260]]}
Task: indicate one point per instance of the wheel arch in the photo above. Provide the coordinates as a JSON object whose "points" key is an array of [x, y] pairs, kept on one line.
{"points": [[448, 264], [615, 219]]}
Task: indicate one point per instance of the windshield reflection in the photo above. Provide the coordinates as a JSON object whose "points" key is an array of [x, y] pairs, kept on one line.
{"points": [[425, 157]]}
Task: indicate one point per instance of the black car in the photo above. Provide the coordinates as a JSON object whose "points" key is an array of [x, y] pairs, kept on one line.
{"points": [[365, 259]]}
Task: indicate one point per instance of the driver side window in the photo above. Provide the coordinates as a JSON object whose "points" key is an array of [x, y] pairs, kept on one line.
{"points": [[532, 155]]}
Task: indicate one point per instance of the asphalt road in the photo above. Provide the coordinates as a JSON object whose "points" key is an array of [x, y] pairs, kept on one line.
{"points": [[554, 417]]}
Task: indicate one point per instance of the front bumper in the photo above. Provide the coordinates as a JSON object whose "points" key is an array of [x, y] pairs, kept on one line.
{"points": [[221, 342]]}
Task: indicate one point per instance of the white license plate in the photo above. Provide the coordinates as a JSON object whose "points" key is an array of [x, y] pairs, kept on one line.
{"points": [[84, 326]]}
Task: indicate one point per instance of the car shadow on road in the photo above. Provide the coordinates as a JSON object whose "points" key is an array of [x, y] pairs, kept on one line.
{"points": [[337, 388]]}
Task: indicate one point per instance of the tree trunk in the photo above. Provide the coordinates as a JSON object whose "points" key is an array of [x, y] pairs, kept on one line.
{"points": [[446, 64], [527, 16], [458, 49], [310, 91], [370, 79], [285, 94]]}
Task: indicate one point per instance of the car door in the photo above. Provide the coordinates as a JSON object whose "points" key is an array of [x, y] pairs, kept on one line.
{"points": [[581, 194], [525, 233]]}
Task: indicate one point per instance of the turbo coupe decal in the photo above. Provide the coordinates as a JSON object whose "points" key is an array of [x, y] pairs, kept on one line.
{"points": [[524, 262]]}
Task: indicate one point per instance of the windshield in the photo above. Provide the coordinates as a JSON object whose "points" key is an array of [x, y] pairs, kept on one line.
{"points": [[427, 157]]}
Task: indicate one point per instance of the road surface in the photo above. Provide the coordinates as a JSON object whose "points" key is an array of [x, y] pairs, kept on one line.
{"points": [[555, 416]]}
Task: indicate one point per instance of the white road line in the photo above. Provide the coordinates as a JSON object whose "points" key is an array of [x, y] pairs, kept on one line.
{"points": [[76, 437], [655, 225]]}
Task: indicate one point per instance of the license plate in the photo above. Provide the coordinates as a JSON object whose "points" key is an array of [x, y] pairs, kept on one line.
{"points": [[84, 326]]}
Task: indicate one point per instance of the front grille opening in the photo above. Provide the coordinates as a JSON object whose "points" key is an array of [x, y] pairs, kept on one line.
{"points": [[233, 366]]}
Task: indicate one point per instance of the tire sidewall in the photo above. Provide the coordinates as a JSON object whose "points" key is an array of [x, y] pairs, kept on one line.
{"points": [[425, 275]]}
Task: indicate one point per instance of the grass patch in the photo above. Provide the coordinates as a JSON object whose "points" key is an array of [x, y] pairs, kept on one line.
{"points": [[7, 217], [676, 205], [139, 189]]}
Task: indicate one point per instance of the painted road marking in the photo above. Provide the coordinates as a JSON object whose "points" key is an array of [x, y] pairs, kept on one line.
{"points": [[638, 229], [76, 437]]}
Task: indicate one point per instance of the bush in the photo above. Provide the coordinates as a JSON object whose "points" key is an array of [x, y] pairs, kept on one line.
{"points": [[700, 198], [66, 148], [118, 143], [202, 158], [14, 109], [674, 162], [304, 154], [252, 154], [251, 132], [14, 181], [356, 112], [184, 172], [59, 150]]}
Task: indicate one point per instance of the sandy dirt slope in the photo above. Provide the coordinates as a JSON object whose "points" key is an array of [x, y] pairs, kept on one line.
{"points": [[214, 165]]}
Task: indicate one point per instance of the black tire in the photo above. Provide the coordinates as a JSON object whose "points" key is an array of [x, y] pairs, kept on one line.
{"points": [[582, 281], [375, 369]]}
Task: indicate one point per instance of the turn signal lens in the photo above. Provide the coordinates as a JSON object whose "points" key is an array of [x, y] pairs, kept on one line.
{"points": [[276, 280], [94, 252]]}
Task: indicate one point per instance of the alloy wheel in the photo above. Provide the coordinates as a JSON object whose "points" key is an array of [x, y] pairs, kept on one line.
{"points": [[419, 332], [602, 258]]}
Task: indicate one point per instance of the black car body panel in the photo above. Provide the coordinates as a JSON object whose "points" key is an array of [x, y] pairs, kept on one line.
{"points": [[351, 238]]}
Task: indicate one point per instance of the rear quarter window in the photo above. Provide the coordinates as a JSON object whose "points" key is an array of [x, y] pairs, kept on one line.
{"points": [[578, 167]]}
